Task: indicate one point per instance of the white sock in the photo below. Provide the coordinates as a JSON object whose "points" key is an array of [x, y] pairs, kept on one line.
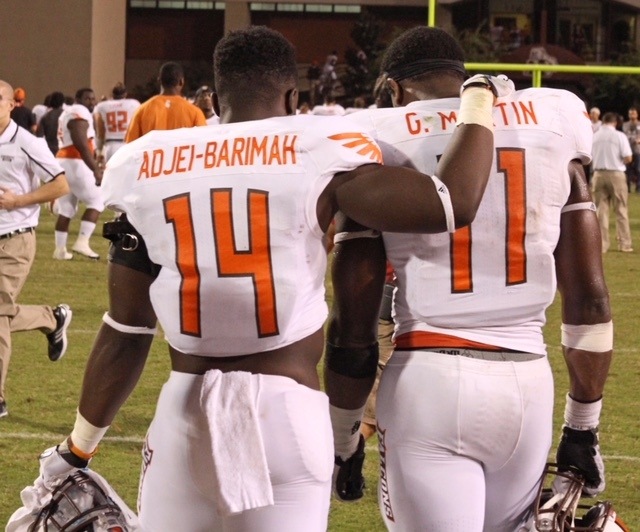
{"points": [[61, 239], [346, 433], [86, 229]]}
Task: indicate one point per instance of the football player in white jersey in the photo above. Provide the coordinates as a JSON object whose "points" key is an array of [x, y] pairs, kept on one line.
{"points": [[464, 406], [112, 120], [76, 155], [223, 244]]}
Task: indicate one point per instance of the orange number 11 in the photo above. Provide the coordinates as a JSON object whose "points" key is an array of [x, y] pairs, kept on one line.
{"points": [[511, 164]]}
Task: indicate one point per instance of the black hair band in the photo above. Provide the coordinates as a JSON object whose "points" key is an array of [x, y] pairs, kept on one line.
{"points": [[423, 66]]}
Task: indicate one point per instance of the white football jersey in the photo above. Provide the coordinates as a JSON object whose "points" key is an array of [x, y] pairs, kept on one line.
{"points": [[116, 115], [76, 111], [505, 258], [229, 213]]}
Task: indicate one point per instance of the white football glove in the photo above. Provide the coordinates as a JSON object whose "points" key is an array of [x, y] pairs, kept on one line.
{"points": [[57, 463], [501, 85]]}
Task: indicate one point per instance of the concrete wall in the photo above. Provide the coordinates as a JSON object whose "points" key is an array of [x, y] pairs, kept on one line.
{"points": [[108, 40], [50, 45]]}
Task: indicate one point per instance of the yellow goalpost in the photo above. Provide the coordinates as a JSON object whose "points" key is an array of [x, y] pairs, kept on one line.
{"points": [[537, 69]]}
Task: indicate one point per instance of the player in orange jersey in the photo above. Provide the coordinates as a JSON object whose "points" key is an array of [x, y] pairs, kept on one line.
{"points": [[223, 244], [167, 110]]}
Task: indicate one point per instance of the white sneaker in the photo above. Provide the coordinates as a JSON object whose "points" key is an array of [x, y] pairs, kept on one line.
{"points": [[84, 249], [62, 254]]}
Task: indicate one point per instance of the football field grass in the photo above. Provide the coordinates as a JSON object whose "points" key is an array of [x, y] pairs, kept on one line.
{"points": [[42, 396]]}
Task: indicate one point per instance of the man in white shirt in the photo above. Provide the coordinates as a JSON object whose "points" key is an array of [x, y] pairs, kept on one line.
{"points": [[611, 154], [29, 175]]}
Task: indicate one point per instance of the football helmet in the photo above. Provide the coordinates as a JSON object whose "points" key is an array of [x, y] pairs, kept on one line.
{"points": [[562, 512], [79, 504]]}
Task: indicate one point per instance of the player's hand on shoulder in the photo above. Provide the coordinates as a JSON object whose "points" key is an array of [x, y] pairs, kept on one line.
{"points": [[501, 85], [57, 463], [348, 480], [581, 449]]}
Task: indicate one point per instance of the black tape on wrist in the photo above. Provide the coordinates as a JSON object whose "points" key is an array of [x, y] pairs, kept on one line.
{"points": [[357, 363], [70, 457]]}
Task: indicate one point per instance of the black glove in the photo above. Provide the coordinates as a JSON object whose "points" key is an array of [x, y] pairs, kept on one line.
{"points": [[348, 481], [580, 449]]}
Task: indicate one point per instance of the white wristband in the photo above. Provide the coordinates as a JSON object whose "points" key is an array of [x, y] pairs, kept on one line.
{"points": [[582, 206], [86, 436], [597, 337], [582, 416], [445, 199], [476, 107], [352, 235]]}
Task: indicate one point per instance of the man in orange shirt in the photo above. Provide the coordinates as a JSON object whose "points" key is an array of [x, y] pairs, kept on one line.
{"points": [[167, 110]]}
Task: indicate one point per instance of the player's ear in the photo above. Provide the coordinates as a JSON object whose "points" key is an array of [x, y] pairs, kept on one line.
{"points": [[291, 101], [397, 94], [216, 104]]}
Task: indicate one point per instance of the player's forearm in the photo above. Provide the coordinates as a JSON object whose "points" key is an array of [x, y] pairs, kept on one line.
{"points": [[465, 169], [46, 192], [88, 156], [347, 392], [588, 372], [113, 370]]}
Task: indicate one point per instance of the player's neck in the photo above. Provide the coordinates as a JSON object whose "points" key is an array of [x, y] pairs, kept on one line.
{"points": [[247, 113]]}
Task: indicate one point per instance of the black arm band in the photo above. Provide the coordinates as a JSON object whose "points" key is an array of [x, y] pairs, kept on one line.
{"points": [[128, 247], [357, 363], [70, 457]]}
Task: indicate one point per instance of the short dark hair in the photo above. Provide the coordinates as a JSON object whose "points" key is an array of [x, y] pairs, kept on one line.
{"points": [[119, 91], [254, 63], [610, 118], [170, 74], [56, 99], [80, 92], [427, 45]]}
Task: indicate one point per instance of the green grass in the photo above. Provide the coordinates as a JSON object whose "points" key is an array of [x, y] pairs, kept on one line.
{"points": [[42, 396]]}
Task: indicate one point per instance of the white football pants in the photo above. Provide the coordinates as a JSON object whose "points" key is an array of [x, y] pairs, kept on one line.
{"points": [[176, 486], [463, 442]]}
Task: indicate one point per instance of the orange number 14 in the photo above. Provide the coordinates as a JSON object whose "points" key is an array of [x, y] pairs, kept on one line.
{"points": [[254, 263]]}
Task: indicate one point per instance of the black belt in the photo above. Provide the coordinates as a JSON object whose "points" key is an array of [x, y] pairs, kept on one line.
{"points": [[17, 232], [114, 140]]}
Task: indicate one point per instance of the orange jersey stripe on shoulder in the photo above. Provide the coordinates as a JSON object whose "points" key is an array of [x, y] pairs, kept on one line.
{"points": [[429, 340], [71, 152], [362, 144]]}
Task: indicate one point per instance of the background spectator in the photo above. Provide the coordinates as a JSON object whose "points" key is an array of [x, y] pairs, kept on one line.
{"points": [[21, 114], [611, 152], [631, 128], [48, 126]]}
